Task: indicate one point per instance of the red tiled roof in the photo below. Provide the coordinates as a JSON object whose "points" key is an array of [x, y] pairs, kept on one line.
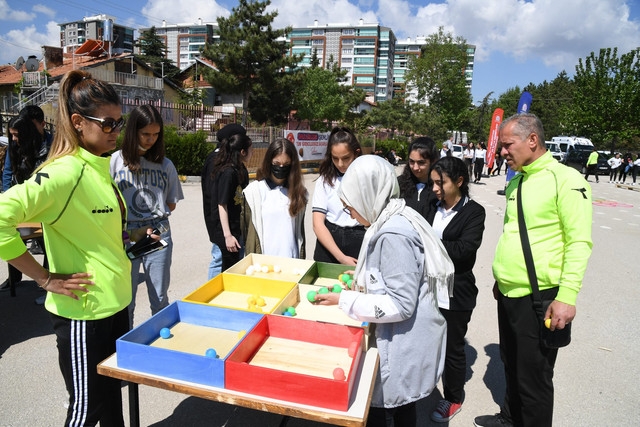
{"points": [[9, 75]]}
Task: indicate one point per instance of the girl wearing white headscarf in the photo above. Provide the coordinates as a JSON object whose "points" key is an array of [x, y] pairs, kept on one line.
{"points": [[402, 268]]}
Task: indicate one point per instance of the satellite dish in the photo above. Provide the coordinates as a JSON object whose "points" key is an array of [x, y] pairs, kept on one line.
{"points": [[32, 64], [19, 63]]}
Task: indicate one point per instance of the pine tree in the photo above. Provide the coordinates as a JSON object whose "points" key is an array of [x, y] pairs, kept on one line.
{"points": [[154, 52], [252, 59]]}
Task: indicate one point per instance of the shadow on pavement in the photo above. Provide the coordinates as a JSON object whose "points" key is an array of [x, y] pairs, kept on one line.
{"points": [[20, 318]]}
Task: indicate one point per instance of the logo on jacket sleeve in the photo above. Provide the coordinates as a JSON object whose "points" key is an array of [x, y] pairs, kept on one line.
{"points": [[378, 312]]}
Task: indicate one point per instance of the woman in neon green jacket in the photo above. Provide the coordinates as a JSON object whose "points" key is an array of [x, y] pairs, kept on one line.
{"points": [[83, 217]]}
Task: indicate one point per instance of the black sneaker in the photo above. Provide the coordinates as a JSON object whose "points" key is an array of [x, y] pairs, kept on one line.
{"points": [[496, 420]]}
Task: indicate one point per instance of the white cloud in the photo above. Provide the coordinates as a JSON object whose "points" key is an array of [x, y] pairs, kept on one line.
{"points": [[28, 41], [291, 12], [555, 32], [182, 11], [9, 14], [40, 8]]}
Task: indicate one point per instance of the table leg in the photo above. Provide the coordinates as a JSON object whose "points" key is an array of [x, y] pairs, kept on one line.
{"points": [[285, 420], [134, 405]]}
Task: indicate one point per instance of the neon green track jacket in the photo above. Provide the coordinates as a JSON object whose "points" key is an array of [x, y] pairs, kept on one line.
{"points": [[557, 206], [74, 198]]}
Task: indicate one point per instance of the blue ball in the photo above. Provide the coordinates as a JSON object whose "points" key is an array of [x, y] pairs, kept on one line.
{"points": [[211, 353], [165, 333], [286, 313]]}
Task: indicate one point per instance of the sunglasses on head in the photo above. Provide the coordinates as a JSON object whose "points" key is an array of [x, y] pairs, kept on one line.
{"points": [[108, 124]]}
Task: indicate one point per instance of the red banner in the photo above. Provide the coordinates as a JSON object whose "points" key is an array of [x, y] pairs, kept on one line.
{"points": [[492, 142]]}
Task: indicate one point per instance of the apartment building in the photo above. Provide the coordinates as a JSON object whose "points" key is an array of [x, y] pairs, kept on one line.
{"points": [[185, 41], [99, 27], [365, 51]]}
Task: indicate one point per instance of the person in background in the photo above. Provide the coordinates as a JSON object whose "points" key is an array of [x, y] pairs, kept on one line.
{"points": [[636, 168], [392, 157], [498, 165], [210, 212], [401, 268], [592, 165], [339, 236], [272, 220], [614, 164], [459, 222], [556, 201], [414, 180], [230, 177], [469, 156], [481, 157], [83, 217], [28, 151], [626, 167], [36, 116], [151, 189]]}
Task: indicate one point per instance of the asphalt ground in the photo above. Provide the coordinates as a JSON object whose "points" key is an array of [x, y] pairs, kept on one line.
{"points": [[596, 378]]}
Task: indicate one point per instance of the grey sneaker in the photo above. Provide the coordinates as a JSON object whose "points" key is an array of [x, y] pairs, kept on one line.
{"points": [[496, 420]]}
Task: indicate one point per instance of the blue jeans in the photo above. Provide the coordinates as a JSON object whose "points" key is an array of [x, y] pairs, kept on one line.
{"points": [[215, 266], [156, 269]]}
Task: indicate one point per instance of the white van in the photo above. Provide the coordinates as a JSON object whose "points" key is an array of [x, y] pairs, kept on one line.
{"points": [[569, 142], [556, 152]]}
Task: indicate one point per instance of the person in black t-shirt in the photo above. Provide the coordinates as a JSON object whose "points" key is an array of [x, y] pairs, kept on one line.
{"points": [[227, 179]]}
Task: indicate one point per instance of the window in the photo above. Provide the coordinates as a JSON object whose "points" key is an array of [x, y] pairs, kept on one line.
{"points": [[318, 32], [347, 51], [316, 42], [347, 41], [348, 31], [347, 60]]}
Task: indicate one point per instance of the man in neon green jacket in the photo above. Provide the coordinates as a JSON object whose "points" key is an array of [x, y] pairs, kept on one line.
{"points": [[557, 206], [592, 165]]}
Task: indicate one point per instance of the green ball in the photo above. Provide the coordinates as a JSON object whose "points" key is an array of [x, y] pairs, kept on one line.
{"points": [[349, 283], [311, 296], [323, 290], [291, 311], [336, 288], [344, 277]]}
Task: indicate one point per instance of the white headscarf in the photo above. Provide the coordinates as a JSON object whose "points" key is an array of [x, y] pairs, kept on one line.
{"points": [[370, 186]]}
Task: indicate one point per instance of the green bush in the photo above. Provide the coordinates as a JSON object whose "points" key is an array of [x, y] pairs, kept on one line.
{"points": [[398, 144], [187, 151]]}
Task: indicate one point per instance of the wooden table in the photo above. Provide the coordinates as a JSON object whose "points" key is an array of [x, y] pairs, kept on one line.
{"points": [[36, 231], [355, 416]]}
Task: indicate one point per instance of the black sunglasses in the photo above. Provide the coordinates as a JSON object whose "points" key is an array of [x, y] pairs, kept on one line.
{"points": [[108, 124]]}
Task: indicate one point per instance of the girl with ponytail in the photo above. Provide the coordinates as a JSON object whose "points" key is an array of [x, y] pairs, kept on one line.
{"points": [[82, 214]]}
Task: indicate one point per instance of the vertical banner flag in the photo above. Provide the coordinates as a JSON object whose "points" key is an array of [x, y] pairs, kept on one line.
{"points": [[524, 106], [492, 142]]}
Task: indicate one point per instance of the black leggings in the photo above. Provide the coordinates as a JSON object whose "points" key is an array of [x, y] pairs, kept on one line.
{"points": [[82, 344], [402, 416]]}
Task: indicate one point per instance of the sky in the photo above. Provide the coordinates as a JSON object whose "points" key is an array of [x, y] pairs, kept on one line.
{"points": [[517, 42]]}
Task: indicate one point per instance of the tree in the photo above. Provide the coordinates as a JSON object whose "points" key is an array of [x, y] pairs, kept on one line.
{"points": [[439, 75], [154, 52], [252, 57], [321, 98], [393, 115], [606, 101]]}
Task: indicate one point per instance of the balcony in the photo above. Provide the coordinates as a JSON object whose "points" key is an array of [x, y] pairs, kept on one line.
{"points": [[127, 79]]}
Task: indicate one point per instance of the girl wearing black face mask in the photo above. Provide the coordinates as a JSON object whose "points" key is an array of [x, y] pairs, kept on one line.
{"points": [[272, 220]]}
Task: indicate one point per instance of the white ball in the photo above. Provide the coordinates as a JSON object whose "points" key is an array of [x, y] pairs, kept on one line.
{"points": [[277, 269]]}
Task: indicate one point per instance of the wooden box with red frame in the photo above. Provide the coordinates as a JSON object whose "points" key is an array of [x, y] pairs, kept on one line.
{"points": [[297, 360]]}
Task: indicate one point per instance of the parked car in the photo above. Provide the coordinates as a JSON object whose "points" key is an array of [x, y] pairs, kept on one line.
{"points": [[578, 159], [456, 150]]}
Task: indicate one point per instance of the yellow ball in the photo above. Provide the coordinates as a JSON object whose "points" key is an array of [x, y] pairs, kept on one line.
{"points": [[547, 323]]}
